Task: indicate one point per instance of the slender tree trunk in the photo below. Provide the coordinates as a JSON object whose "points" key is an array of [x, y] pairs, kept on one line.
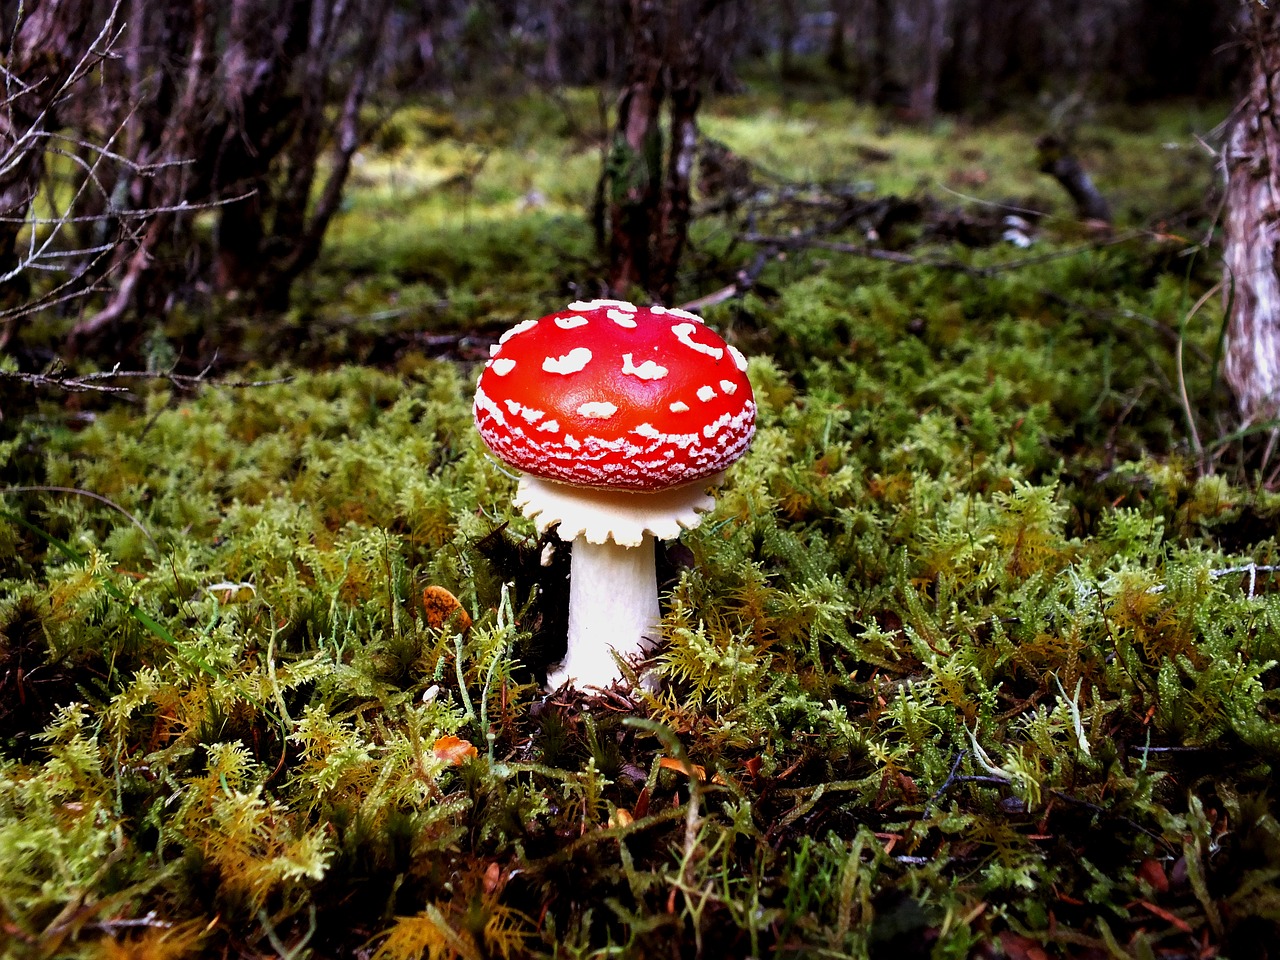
{"points": [[43, 55], [1251, 361], [934, 28], [673, 211], [648, 195], [787, 30], [347, 138], [837, 52], [254, 112], [882, 85], [552, 69], [169, 132], [635, 162]]}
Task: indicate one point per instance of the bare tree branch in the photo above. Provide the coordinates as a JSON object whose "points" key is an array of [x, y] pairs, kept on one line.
{"points": [[105, 381]]}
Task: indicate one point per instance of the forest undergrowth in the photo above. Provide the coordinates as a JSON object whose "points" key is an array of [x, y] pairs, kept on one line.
{"points": [[977, 655]]}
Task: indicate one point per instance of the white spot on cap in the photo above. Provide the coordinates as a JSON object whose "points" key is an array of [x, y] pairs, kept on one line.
{"points": [[648, 430], [646, 371], [738, 359], [684, 333], [503, 366], [622, 318], [711, 429], [597, 410], [679, 407], [568, 323], [684, 314], [493, 349], [484, 402], [729, 387], [549, 426], [518, 329], [706, 393], [573, 361], [599, 304]]}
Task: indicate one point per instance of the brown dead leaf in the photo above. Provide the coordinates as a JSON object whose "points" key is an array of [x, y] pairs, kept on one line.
{"points": [[1018, 947], [1164, 914], [439, 606], [1151, 871], [453, 750], [680, 766], [493, 879]]}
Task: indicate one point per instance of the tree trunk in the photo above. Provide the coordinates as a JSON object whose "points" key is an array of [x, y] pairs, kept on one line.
{"points": [[44, 55], [635, 163], [883, 89], [1251, 359], [255, 114], [837, 52], [673, 211], [552, 72], [787, 30], [158, 170], [933, 33], [648, 196]]}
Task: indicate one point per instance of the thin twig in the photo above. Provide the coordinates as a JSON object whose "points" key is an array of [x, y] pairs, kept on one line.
{"points": [[93, 496], [100, 382], [1253, 569], [1182, 380]]}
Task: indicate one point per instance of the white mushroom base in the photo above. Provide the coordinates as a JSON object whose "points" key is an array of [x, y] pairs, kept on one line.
{"points": [[613, 583], [613, 612]]}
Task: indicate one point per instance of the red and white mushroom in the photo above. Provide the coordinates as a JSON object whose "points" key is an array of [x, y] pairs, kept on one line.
{"points": [[620, 418]]}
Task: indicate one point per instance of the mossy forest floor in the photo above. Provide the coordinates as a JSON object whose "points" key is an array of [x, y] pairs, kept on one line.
{"points": [[977, 655]]}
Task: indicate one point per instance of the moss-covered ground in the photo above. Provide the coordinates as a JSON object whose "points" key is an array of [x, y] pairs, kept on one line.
{"points": [[977, 655]]}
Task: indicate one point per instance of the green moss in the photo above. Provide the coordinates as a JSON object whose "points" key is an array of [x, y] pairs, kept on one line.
{"points": [[971, 647]]}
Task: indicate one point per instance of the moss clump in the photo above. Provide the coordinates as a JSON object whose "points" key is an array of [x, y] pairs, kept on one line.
{"points": [[976, 648]]}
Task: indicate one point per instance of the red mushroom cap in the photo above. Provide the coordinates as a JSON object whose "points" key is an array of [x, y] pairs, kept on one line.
{"points": [[607, 394]]}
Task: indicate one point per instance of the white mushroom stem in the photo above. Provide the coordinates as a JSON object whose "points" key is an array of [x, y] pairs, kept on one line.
{"points": [[613, 586], [613, 611]]}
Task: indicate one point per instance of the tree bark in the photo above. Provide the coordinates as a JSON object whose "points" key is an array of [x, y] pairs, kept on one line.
{"points": [[1251, 359], [933, 30], [552, 71], [837, 51], [673, 211], [635, 162], [45, 51], [647, 194], [168, 136], [253, 112], [788, 28]]}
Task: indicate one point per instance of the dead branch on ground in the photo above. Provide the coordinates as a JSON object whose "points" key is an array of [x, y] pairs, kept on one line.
{"points": [[108, 381]]}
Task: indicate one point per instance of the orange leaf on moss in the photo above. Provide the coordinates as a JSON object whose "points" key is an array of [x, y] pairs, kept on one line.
{"points": [[453, 750], [688, 769], [439, 607]]}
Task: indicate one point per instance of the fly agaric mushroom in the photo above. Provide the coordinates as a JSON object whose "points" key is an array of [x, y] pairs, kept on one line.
{"points": [[620, 418]]}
